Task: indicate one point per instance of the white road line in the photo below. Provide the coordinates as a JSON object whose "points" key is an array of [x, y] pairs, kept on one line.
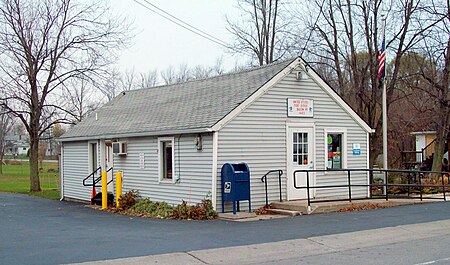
{"points": [[433, 261]]}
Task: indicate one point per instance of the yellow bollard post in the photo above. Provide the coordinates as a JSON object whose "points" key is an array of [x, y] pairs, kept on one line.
{"points": [[118, 187], [104, 190]]}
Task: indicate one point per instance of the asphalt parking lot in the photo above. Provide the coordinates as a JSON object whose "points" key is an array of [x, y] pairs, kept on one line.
{"points": [[39, 231]]}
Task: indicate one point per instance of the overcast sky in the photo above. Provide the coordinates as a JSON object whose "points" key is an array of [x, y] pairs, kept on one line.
{"points": [[160, 43]]}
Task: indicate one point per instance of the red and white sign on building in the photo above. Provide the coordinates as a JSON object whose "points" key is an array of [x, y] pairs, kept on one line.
{"points": [[298, 107]]}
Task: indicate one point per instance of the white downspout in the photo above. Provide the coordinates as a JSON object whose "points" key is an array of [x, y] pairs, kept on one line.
{"points": [[214, 169], [368, 163], [61, 173]]}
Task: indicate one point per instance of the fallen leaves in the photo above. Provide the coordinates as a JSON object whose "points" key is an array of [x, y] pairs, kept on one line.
{"points": [[362, 207], [263, 210]]}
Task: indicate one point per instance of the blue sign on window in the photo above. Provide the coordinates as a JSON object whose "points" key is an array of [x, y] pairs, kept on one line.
{"points": [[357, 149]]}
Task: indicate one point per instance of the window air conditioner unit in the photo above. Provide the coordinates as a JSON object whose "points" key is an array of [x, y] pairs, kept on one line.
{"points": [[119, 148]]}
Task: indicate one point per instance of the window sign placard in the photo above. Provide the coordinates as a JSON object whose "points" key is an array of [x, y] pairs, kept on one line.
{"points": [[334, 151], [357, 149], [298, 107]]}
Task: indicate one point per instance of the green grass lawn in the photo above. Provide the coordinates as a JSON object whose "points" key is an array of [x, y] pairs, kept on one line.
{"points": [[16, 179]]}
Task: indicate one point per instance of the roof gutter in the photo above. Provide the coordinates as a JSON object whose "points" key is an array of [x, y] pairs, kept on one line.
{"points": [[135, 134]]}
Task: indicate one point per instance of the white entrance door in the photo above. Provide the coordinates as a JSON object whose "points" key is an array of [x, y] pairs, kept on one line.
{"points": [[300, 156], [109, 164]]}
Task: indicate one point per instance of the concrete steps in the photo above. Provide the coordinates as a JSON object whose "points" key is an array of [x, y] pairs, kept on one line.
{"points": [[284, 212], [290, 206], [300, 207]]}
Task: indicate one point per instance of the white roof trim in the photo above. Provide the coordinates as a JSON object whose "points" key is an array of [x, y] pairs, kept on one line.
{"points": [[313, 75], [422, 133], [258, 93], [138, 134]]}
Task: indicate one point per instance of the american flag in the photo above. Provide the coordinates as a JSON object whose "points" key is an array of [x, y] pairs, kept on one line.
{"points": [[381, 60]]}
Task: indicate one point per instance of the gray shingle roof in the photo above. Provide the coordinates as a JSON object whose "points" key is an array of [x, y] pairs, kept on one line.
{"points": [[197, 104]]}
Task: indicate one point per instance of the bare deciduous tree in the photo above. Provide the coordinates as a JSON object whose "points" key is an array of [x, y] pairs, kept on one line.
{"points": [[201, 71], [169, 75], [149, 79], [261, 32], [42, 150], [43, 44], [217, 69], [114, 81], [183, 73], [346, 37], [57, 131], [436, 48], [110, 83], [79, 99], [129, 80]]}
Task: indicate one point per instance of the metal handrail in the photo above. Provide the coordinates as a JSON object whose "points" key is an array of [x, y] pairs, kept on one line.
{"points": [[349, 185], [264, 180], [421, 152], [98, 179], [111, 168], [91, 175], [428, 145]]}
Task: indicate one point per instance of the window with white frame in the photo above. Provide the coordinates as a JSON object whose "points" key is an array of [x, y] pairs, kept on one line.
{"points": [[335, 149], [166, 159], [300, 148]]}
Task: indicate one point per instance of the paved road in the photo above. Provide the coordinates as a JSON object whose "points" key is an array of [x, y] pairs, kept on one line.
{"points": [[417, 244], [39, 231]]}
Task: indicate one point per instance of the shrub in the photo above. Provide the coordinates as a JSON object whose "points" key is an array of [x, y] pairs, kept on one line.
{"points": [[210, 212], [129, 199], [147, 208], [182, 211], [427, 190], [201, 211], [162, 210], [144, 206]]}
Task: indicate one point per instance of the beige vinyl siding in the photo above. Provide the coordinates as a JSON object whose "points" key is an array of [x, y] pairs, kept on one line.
{"points": [[76, 168], [192, 165], [258, 136]]}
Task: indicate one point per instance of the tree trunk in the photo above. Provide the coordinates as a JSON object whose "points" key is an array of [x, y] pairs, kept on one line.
{"points": [[439, 147], [34, 166], [375, 149], [1, 162], [443, 122]]}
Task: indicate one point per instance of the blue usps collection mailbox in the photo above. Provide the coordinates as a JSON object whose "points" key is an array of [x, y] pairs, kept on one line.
{"points": [[235, 184]]}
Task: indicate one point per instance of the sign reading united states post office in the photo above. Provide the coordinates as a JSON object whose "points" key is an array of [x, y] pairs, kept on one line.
{"points": [[300, 107]]}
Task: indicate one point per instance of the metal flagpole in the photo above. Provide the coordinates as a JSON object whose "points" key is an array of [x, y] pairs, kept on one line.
{"points": [[385, 146]]}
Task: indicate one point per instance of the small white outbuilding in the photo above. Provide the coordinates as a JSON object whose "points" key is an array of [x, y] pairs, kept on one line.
{"points": [[171, 141]]}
